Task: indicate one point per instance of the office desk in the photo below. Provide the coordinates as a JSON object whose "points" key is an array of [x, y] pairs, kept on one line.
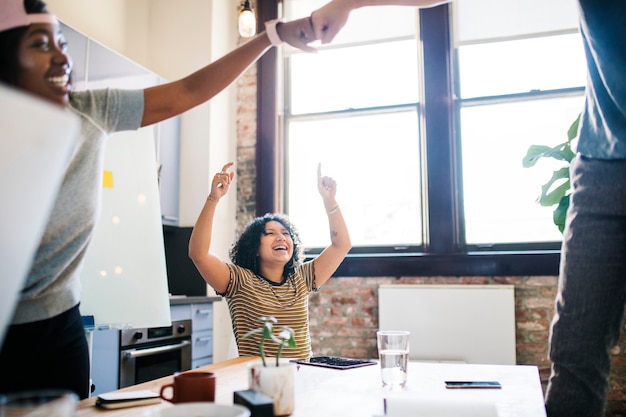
{"points": [[357, 392]]}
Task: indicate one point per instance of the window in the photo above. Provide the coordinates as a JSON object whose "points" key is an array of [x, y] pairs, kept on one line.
{"points": [[424, 122], [343, 110], [519, 83]]}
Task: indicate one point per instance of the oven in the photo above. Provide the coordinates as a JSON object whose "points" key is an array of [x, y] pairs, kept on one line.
{"points": [[150, 353]]}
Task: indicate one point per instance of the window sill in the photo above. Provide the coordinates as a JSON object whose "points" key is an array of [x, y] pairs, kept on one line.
{"points": [[507, 263]]}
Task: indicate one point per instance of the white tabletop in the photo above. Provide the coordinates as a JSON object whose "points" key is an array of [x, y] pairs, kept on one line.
{"points": [[358, 392]]}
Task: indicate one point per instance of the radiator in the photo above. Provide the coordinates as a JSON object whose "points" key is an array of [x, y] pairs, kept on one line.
{"points": [[452, 323]]}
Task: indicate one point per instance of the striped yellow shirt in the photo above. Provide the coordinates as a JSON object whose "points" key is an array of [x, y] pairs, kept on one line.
{"points": [[250, 296]]}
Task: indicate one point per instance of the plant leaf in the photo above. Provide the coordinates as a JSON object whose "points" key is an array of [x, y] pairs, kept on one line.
{"points": [[533, 154], [560, 213], [550, 196], [286, 333], [268, 330], [572, 132]]}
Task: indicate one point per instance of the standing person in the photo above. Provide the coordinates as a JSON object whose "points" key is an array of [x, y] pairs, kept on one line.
{"points": [[589, 308], [591, 299], [267, 276], [45, 347]]}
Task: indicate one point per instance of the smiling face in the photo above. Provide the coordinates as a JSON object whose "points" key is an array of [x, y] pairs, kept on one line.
{"points": [[44, 66], [276, 245]]}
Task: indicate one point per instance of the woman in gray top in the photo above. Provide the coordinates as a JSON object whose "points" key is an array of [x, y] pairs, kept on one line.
{"points": [[45, 347]]}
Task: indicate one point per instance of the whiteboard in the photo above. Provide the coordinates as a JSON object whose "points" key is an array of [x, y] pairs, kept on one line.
{"points": [[124, 278], [33, 159], [456, 323]]}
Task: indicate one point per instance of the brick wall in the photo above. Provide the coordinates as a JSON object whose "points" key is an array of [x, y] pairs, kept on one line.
{"points": [[344, 314]]}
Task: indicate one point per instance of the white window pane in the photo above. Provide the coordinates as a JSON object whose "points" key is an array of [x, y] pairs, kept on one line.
{"points": [[499, 193], [295, 9], [478, 20], [520, 66], [375, 160], [366, 76], [365, 24]]}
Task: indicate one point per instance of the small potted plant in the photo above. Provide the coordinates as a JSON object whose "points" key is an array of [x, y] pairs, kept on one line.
{"points": [[274, 379]]}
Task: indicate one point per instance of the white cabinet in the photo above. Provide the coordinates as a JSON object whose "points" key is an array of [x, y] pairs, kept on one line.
{"points": [[105, 359], [201, 314]]}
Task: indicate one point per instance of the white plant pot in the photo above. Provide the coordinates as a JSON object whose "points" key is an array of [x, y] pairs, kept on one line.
{"points": [[278, 383]]}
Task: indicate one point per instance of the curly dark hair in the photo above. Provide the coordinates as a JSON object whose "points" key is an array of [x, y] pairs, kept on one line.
{"points": [[9, 41], [244, 251]]}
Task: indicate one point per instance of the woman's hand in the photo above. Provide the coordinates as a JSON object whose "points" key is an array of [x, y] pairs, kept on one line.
{"points": [[326, 186], [298, 33], [328, 20], [221, 182]]}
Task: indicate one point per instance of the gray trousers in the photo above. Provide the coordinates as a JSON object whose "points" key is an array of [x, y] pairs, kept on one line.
{"points": [[589, 307]]}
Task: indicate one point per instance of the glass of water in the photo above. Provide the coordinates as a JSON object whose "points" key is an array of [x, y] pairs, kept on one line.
{"points": [[393, 350]]}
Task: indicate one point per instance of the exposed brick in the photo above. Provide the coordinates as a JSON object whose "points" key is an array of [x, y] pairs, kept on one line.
{"points": [[538, 302], [532, 326], [508, 280], [541, 281], [474, 280], [344, 300]]}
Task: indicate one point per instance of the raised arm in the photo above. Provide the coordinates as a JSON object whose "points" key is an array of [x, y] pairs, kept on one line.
{"points": [[329, 19], [171, 99], [213, 269], [329, 260]]}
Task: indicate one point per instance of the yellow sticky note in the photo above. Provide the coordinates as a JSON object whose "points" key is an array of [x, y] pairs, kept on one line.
{"points": [[107, 179]]}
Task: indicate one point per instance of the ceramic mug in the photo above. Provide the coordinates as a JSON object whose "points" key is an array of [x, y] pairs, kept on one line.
{"points": [[190, 387]]}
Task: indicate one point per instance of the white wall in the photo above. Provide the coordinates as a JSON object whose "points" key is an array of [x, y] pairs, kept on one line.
{"points": [[103, 20], [174, 38]]}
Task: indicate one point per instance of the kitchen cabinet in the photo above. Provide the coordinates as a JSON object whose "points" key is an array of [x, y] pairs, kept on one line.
{"points": [[105, 359], [200, 311]]}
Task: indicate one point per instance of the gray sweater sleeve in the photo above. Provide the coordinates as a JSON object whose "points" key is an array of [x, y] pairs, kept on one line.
{"points": [[111, 110]]}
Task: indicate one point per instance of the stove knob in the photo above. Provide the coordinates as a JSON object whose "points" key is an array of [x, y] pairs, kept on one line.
{"points": [[138, 336], [181, 328]]}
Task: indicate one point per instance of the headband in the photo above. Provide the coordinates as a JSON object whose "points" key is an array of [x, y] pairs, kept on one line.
{"points": [[13, 15]]}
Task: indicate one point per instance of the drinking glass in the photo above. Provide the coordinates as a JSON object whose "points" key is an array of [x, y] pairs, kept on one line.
{"points": [[393, 350]]}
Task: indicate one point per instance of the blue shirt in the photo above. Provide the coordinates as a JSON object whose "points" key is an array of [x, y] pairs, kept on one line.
{"points": [[602, 132]]}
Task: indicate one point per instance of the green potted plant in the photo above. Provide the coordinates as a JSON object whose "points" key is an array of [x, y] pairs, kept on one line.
{"points": [[557, 190], [286, 336], [274, 379]]}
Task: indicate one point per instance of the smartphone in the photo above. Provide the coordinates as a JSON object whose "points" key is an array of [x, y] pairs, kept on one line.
{"points": [[473, 384]]}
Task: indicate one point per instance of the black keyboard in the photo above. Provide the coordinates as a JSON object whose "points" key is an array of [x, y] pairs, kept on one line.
{"points": [[335, 362]]}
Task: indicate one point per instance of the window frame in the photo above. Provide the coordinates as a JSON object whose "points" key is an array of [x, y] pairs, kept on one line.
{"points": [[443, 252]]}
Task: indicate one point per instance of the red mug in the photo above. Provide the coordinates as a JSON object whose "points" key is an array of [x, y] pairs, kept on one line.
{"points": [[190, 387]]}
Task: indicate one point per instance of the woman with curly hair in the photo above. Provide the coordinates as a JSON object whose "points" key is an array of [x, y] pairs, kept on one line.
{"points": [[267, 276]]}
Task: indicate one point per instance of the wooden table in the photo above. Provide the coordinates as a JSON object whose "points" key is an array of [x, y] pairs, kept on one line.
{"points": [[358, 392]]}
